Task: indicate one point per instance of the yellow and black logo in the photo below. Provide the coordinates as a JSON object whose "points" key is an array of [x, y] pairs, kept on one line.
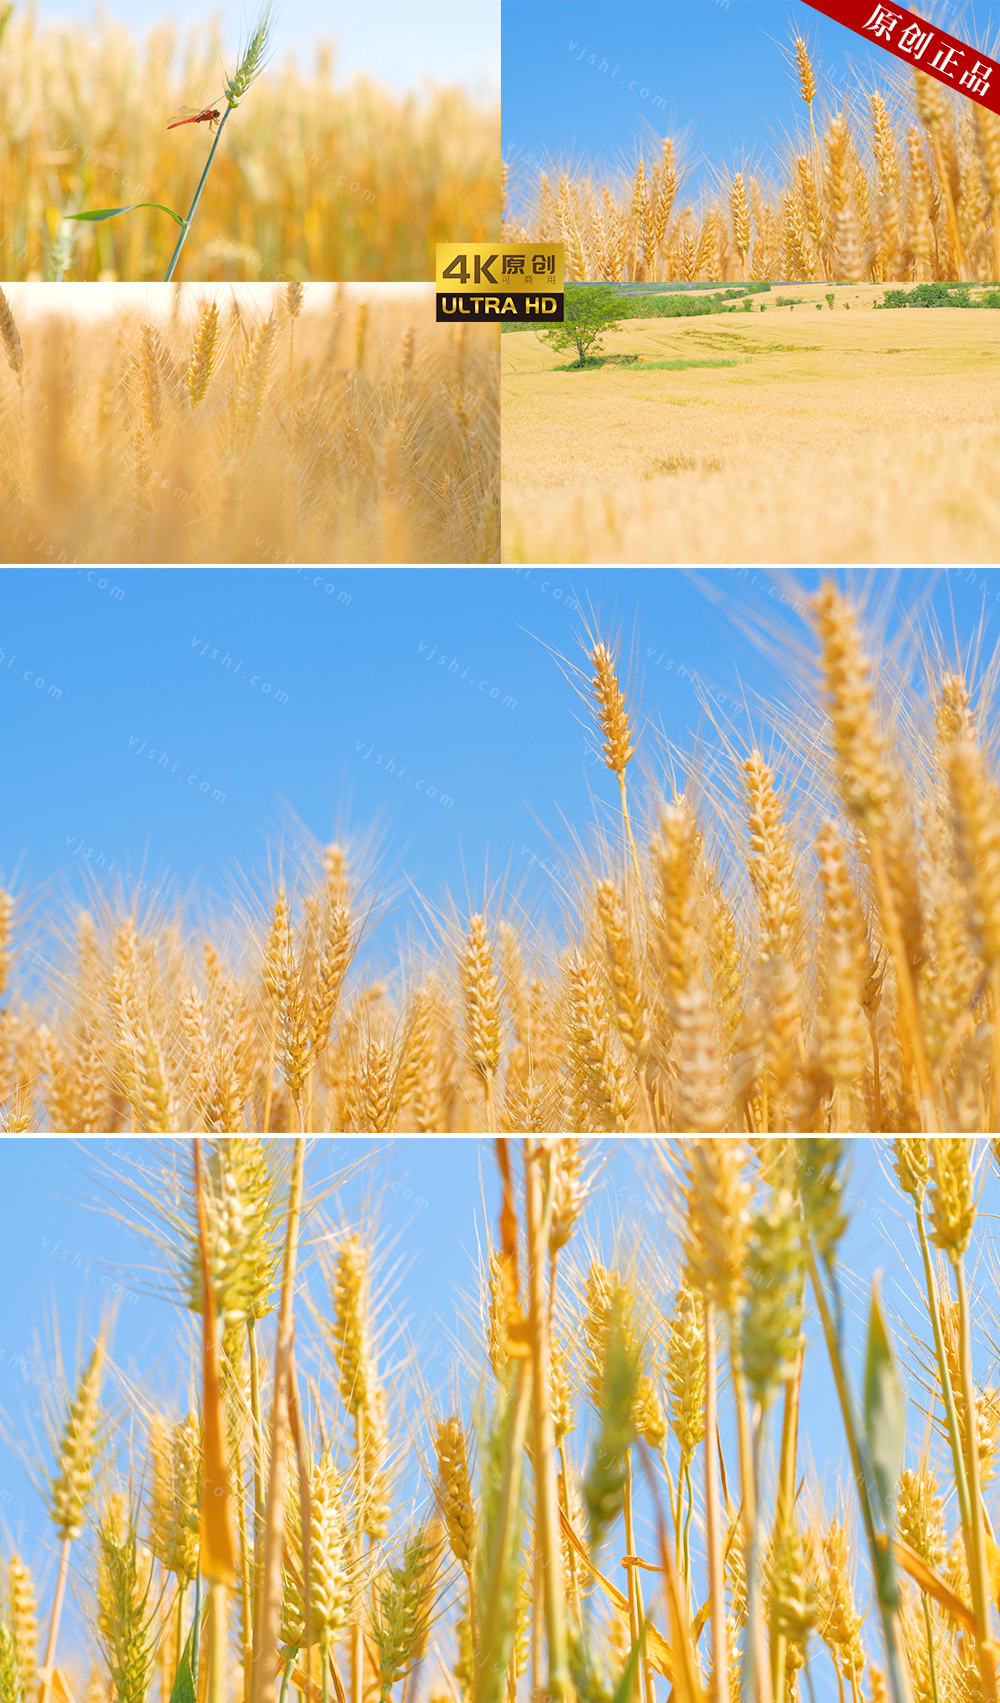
{"points": [[503, 283]]}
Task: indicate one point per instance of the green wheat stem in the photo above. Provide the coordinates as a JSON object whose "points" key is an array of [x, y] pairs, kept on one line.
{"points": [[898, 1677], [180, 1622], [758, 1670], [687, 1520], [197, 197], [258, 1470], [196, 1639], [491, 1618], [978, 1565], [931, 1659], [947, 1394]]}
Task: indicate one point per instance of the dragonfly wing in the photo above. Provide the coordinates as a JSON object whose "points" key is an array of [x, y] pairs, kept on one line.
{"points": [[192, 115]]}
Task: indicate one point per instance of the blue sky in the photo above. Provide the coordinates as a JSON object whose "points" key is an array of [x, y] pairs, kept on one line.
{"points": [[393, 41], [429, 1196], [716, 70], [448, 675]]}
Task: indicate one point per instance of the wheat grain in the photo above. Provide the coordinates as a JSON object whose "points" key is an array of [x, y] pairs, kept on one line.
{"points": [[599, 1089], [740, 210], [454, 1490], [23, 1630], [70, 1490], [623, 971], [202, 360], [977, 844], [124, 1610], [253, 378], [920, 1516], [845, 1045], [839, 1624], [175, 1452], [329, 1592], [350, 1327], [952, 1201], [807, 81], [717, 1220], [794, 1608], [11, 339], [404, 1597], [569, 1193], [481, 990], [771, 862], [612, 710], [10, 1685], [684, 1371], [772, 1323], [6, 915]]}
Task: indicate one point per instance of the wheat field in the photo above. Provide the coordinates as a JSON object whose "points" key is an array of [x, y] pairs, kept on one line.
{"points": [[313, 179], [792, 435], [797, 930], [323, 1513], [877, 190], [249, 427]]}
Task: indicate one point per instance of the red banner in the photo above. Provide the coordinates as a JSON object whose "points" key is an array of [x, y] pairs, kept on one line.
{"points": [[921, 45]]}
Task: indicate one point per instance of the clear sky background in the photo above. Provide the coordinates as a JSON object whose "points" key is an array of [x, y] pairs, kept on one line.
{"points": [[432, 1201], [395, 42], [728, 87], [358, 653]]}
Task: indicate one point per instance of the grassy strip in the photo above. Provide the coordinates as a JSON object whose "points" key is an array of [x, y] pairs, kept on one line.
{"points": [[939, 295], [676, 366]]}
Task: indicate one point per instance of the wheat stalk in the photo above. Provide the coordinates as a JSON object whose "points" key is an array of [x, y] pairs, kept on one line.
{"points": [[71, 1487]]}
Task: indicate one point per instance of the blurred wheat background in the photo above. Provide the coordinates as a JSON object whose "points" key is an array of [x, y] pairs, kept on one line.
{"points": [[312, 180], [800, 931], [871, 191], [240, 428]]}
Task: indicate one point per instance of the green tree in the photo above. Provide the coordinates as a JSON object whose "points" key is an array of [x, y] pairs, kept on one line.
{"points": [[591, 310]]}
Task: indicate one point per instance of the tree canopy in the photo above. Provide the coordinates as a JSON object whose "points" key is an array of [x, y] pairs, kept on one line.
{"points": [[591, 310]]}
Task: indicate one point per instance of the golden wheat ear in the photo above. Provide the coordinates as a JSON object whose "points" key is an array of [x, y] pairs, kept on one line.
{"points": [[11, 339]]}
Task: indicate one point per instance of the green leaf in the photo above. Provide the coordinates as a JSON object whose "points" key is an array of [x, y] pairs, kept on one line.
{"points": [[884, 1429], [605, 1481], [626, 1684], [883, 1411], [113, 212], [183, 1686]]}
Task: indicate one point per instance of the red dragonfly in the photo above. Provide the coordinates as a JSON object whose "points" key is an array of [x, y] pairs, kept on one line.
{"points": [[196, 115]]}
